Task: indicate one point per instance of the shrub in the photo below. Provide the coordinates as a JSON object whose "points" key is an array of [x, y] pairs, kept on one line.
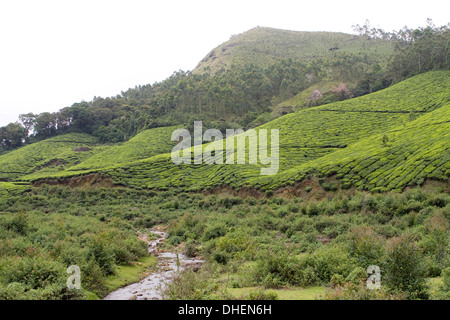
{"points": [[92, 276], [358, 275], [439, 200], [191, 286], [229, 202], [366, 246], [221, 257], [327, 261], [121, 254], [404, 269], [236, 244], [337, 280], [175, 240], [17, 223], [261, 294], [436, 242], [278, 270], [352, 291], [444, 290], [34, 278], [190, 250], [214, 232], [312, 210], [283, 211], [446, 276], [32, 272], [329, 186], [102, 254]]}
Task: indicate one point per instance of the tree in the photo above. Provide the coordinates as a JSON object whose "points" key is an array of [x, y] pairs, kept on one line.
{"points": [[12, 136], [45, 125], [28, 121], [341, 92], [420, 50], [79, 118]]}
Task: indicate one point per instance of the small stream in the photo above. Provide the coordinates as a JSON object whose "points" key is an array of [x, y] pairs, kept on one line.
{"points": [[151, 287]]}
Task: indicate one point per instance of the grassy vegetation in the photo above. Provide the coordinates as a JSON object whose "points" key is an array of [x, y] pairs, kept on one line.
{"points": [[262, 46], [303, 99], [354, 187], [308, 135], [291, 245], [44, 231], [78, 152], [297, 248], [128, 274], [311, 293], [435, 285]]}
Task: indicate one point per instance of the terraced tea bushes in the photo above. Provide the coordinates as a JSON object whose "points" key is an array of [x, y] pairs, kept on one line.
{"points": [[381, 141], [312, 141], [415, 152], [51, 155], [10, 189], [144, 145]]}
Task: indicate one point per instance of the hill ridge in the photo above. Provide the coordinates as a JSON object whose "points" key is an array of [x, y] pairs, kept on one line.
{"points": [[261, 45]]}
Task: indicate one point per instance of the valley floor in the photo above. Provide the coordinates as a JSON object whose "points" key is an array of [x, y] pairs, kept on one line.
{"points": [[284, 247]]}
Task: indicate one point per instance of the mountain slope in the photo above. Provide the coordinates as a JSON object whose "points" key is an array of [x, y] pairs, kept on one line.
{"points": [[58, 156], [262, 46], [311, 140], [412, 153], [47, 156], [144, 145]]}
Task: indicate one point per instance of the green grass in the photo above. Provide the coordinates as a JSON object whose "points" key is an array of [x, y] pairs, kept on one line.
{"points": [[303, 99], [262, 46], [311, 293], [38, 160], [125, 275], [435, 285]]}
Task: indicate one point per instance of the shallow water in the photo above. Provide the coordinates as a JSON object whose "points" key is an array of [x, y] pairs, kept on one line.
{"points": [[151, 287]]}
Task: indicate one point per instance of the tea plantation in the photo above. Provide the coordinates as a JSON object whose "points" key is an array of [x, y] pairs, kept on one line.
{"points": [[382, 141]]}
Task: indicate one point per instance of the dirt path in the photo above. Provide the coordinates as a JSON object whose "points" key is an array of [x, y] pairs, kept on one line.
{"points": [[151, 287]]}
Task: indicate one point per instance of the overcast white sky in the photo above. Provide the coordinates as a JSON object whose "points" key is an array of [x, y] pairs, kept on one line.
{"points": [[55, 53]]}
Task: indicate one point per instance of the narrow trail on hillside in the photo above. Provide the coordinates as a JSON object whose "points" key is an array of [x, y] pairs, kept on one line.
{"points": [[152, 287]]}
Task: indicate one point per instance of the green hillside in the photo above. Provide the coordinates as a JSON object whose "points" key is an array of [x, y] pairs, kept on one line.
{"points": [[262, 46], [7, 189], [54, 154], [363, 132], [62, 154], [263, 68], [144, 145], [303, 99], [413, 152], [311, 139]]}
